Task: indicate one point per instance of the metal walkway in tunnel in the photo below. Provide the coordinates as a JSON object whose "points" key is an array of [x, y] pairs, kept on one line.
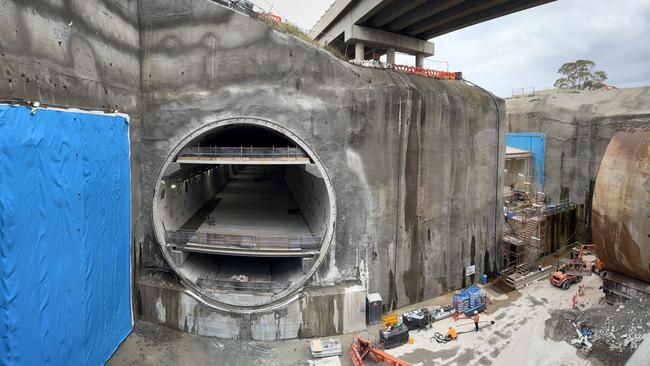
{"points": [[244, 155], [255, 215]]}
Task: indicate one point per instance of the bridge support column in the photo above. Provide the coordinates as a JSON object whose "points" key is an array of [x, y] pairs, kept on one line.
{"points": [[419, 60], [390, 56], [359, 51]]}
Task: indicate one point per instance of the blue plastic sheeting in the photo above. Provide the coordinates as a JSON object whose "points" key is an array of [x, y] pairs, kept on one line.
{"points": [[533, 142], [64, 236]]}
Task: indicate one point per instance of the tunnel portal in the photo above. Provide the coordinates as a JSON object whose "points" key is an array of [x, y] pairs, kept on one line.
{"points": [[243, 213]]}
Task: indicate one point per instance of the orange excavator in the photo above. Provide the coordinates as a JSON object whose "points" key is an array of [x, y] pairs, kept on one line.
{"points": [[572, 270]]}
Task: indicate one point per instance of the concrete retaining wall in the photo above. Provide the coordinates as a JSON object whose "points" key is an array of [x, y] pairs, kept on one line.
{"points": [[181, 203], [76, 53], [578, 128], [310, 194], [415, 163]]}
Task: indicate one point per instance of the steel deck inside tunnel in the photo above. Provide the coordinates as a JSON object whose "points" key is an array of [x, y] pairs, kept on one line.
{"points": [[242, 221]]}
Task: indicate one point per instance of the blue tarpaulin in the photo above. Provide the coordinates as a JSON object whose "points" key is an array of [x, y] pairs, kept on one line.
{"points": [[533, 142], [65, 295]]}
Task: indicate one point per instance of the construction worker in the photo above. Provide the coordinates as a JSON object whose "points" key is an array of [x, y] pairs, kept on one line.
{"points": [[452, 333], [476, 319]]}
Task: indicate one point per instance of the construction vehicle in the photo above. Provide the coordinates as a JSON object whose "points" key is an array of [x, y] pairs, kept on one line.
{"points": [[598, 267], [572, 270]]}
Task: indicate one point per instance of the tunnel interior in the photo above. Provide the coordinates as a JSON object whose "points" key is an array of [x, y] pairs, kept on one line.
{"points": [[244, 211]]}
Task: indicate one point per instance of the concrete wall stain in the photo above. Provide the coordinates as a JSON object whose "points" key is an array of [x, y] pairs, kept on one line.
{"points": [[407, 155]]}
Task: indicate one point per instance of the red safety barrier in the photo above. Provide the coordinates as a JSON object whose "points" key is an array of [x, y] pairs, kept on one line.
{"points": [[271, 16], [430, 73]]}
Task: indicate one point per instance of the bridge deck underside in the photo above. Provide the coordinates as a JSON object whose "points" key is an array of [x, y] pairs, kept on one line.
{"points": [[419, 19], [426, 19]]}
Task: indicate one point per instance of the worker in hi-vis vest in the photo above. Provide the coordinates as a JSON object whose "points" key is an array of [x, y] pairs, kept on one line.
{"points": [[476, 319]]}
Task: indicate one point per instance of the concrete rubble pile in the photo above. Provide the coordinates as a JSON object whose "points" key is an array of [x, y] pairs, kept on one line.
{"points": [[616, 331]]}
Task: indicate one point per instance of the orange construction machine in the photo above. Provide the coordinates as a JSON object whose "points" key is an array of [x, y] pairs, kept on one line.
{"points": [[572, 270]]}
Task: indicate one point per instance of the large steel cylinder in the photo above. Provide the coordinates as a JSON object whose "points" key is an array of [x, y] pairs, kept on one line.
{"points": [[621, 205]]}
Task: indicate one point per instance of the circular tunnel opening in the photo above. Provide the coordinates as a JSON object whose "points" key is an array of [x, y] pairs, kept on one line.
{"points": [[244, 212]]}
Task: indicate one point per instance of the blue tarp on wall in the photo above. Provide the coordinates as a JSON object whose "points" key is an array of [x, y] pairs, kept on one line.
{"points": [[65, 294], [533, 142]]}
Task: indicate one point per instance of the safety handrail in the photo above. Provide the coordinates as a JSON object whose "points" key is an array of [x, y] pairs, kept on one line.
{"points": [[246, 241], [243, 152]]}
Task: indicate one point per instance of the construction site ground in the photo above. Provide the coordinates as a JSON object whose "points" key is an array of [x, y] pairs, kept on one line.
{"points": [[532, 327]]}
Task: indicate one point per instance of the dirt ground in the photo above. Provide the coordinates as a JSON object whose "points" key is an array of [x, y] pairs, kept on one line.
{"points": [[531, 327]]}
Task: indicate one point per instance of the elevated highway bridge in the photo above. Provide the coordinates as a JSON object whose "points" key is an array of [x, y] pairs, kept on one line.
{"points": [[378, 27]]}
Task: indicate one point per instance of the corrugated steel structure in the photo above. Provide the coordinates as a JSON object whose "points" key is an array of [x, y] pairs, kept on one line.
{"points": [[621, 205]]}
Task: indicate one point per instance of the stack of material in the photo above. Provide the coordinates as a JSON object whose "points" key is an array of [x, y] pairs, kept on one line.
{"points": [[325, 348], [394, 336], [474, 296], [417, 319]]}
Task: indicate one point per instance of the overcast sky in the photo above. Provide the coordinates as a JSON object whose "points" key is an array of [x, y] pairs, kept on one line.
{"points": [[525, 49]]}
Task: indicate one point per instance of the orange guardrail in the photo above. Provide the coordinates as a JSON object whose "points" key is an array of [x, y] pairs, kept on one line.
{"points": [[438, 74], [271, 16]]}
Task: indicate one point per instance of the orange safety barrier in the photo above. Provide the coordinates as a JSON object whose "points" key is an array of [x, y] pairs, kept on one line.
{"points": [[355, 357], [360, 348], [273, 17], [426, 72]]}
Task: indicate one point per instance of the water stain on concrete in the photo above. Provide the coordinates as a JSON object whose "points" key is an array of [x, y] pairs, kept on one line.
{"points": [[484, 361], [427, 357], [535, 301], [465, 358]]}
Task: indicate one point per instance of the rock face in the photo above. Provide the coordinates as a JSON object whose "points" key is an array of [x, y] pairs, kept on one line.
{"points": [[578, 128], [415, 163], [621, 209]]}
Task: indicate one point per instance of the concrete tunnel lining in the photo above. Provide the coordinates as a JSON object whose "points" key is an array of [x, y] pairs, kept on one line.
{"points": [[296, 176]]}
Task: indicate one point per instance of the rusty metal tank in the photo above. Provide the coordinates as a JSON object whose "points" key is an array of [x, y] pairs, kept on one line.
{"points": [[621, 205]]}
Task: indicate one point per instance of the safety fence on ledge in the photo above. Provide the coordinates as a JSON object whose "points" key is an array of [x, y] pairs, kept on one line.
{"points": [[420, 71], [249, 8]]}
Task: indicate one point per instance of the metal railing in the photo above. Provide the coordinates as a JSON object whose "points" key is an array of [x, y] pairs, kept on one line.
{"points": [[522, 92], [243, 283], [243, 152], [553, 208], [243, 241]]}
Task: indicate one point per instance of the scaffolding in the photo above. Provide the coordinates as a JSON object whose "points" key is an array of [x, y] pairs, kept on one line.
{"points": [[524, 245], [522, 248]]}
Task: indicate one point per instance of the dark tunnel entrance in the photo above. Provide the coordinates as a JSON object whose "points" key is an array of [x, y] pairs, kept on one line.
{"points": [[243, 213]]}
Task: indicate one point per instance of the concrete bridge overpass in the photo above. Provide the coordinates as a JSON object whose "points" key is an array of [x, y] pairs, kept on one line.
{"points": [[385, 26]]}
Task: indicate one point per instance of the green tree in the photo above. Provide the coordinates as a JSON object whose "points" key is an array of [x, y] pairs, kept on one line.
{"points": [[580, 75]]}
